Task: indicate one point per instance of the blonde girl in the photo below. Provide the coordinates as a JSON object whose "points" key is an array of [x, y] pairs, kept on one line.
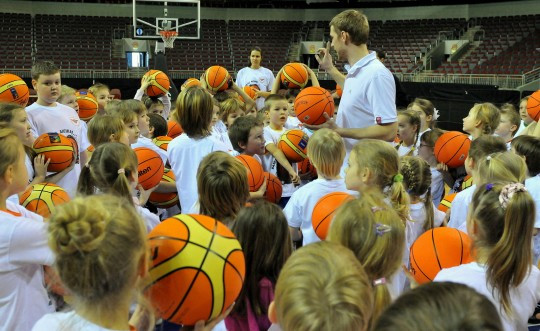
{"points": [[129, 118], [113, 169], [408, 132], [23, 244], [101, 92], [483, 119], [140, 111], [377, 239], [230, 110], [107, 128], [101, 253], [500, 224], [427, 112]]}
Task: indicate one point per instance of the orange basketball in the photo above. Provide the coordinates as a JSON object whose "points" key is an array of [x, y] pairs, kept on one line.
{"points": [[274, 189], [324, 211], [294, 76], [88, 105], [311, 103], [255, 87], [255, 171], [162, 142], [446, 202], [533, 106], [197, 269], [189, 83], [217, 79], [91, 149], [56, 147], [43, 198], [452, 148], [165, 200], [13, 89], [150, 167], [293, 144], [159, 83], [437, 249], [339, 90], [174, 129], [305, 167], [250, 91]]}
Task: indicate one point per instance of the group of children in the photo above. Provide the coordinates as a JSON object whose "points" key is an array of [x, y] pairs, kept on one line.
{"points": [[351, 281]]}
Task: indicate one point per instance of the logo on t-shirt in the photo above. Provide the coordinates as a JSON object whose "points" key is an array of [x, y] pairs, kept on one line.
{"points": [[378, 119], [74, 120]]}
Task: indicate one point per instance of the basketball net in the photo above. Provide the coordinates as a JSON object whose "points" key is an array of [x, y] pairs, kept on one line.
{"points": [[168, 37]]}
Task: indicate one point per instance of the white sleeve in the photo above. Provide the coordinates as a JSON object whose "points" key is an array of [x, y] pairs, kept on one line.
{"points": [[291, 212], [85, 143], [240, 78], [166, 99], [381, 94], [138, 95], [150, 219], [23, 211], [268, 138], [438, 216], [28, 244], [271, 80], [33, 128], [458, 211]]}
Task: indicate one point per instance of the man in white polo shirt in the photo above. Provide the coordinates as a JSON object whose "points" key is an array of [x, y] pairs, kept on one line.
{"points": [[367, 108]]}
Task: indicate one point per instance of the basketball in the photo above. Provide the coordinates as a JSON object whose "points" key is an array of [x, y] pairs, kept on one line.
{"points": [[88, 105], [162, 142], [293, 144], [274, 189], [150, 167], [452, 148], [174, 129], [159, 83], [294, 76], [13, 89], [250, 91], [255, 171], [533, 106], [437, 249], [189, 83], [56, 147], [311, 103], [339, 90], [197, 269], [305, 167], [43, 198], [446, 202], [165, 200], [91, 149], [217, 79], [324, 211]]}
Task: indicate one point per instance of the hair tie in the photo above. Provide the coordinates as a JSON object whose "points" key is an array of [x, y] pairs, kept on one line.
{"points": [[121, 171], [435, 113], [489, 187], [508, 191], [380, 281], [376, 209], [398, 178], [489, 157], [381, 229]]}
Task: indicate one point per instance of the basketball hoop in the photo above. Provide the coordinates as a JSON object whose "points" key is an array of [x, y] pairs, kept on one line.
{"points": [[168, 37]]}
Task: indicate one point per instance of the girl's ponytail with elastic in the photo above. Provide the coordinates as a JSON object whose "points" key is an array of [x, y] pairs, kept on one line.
{"points": [[399, 197]]}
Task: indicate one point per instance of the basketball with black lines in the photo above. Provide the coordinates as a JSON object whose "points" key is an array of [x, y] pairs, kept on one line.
{"points": [[274, 188], [88, 105], [165, 200], [312, 103], [437, 249], [162, 142], [57, 148], [13, 89], [533, 106], [294, 76], [293, 143], [452, 148], [306, 167], [217, 79], [197, 269], [43, 198], [255, 171], [150, 168], [324, 211], [159, 83], [174, 129]]}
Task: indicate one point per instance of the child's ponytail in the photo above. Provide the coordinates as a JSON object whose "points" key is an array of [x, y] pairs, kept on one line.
{"points": [[417, 181], [399, 197]]}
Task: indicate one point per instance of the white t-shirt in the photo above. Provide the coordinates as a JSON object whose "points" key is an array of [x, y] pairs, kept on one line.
{"points": [[521, 128], [220, 133], [369, 98], [262, 77], [270, 163], [293, 123], [23, 253], [146, 142], [523, 298], [533, 186], [460, 207], [165, 99], [415, 226], [64, 120], [185, 155], [67, 321], [300, 207], [437, 186], [404, 150]]}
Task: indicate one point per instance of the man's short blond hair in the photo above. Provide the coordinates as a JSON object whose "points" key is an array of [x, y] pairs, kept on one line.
{"points": [[355, 23]]}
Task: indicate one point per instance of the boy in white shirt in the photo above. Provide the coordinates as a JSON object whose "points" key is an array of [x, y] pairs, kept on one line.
{"points": [[46, 115], [509, 124], [326, 152]]}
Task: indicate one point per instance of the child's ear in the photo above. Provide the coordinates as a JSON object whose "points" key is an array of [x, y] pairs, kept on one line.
{"points": [[242, 144], [34, 83], [513, 128], [429, 118], [471, 164], [151, 131], [112, 138], [365, 174], [272, 315]]}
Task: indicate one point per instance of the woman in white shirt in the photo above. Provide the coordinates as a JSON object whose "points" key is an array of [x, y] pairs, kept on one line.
{"points": [[256, 75]]}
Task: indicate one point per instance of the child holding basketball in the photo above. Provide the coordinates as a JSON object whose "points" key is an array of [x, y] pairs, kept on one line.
{"points": [[376, 238], [501, 225], [483, 119], [426, 152], [408, 132], [101, 92], [113, 170], [157, 105], [322, 287], [47, 115], [264, 236], [326, 152], [101, 255], [194, 109], [509, 124]]}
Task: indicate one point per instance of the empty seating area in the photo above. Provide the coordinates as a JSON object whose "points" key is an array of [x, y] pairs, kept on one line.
{"points": [[16, 41]]}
